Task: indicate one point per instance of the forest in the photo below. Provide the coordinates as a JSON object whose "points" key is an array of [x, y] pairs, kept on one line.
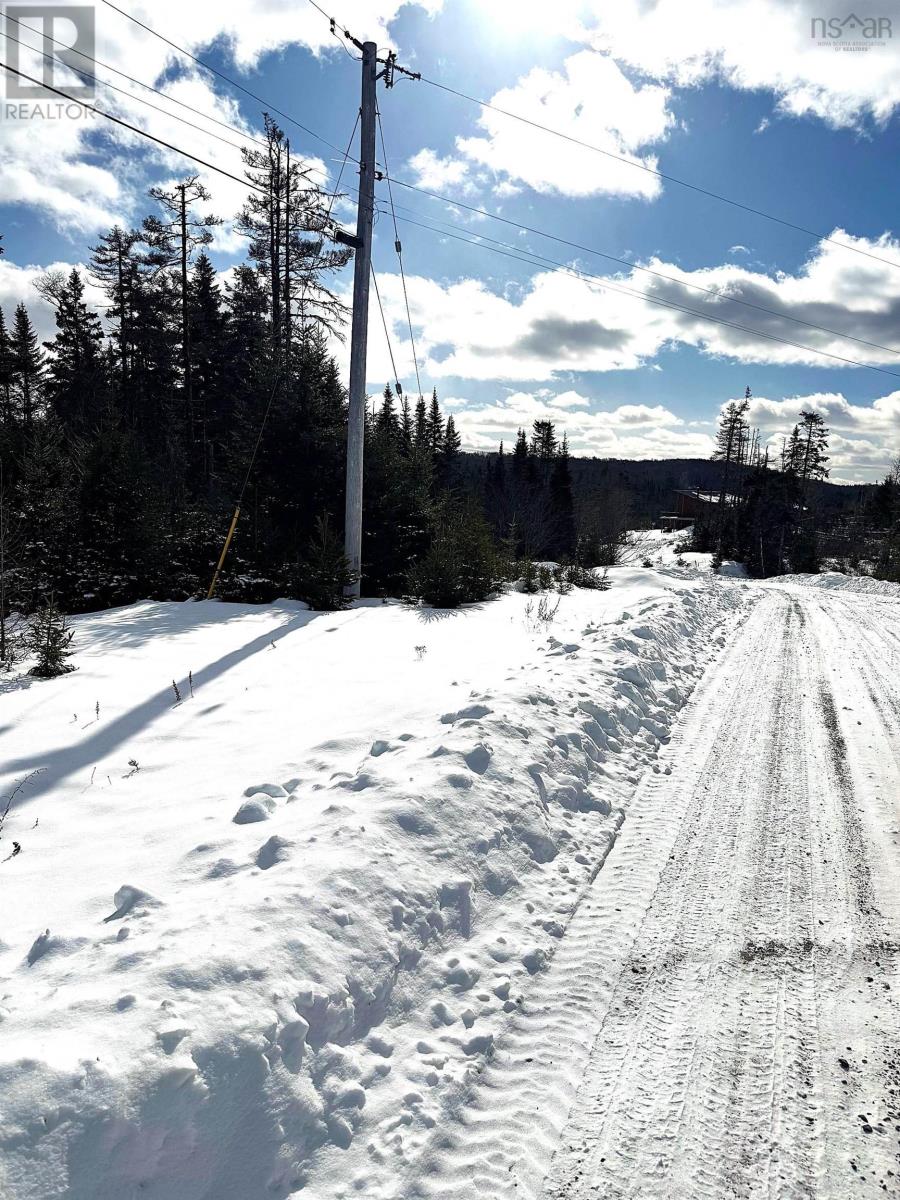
{"points": [[127, 442]]}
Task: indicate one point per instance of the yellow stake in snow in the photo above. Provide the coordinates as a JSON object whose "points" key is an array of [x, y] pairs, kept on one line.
{"points": [[234, 521]]}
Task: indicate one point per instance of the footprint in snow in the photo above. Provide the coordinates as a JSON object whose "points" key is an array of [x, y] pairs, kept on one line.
{"points": [[130, 899], [274, 851]]}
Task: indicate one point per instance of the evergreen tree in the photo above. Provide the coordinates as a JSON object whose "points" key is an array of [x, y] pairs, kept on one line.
{"points": [[77, 387], [28, 369], [562, 505], [543, 441], [387, 427], [420, 427], [7, 370], [434, 427], [185, 231], [449, 455], [210, 373], [285, 218], [325, 573], [49, 638]]}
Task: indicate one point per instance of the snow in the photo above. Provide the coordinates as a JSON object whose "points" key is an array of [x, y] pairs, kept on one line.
{"points": [[659, 547], [834, 581], [259, 940]]}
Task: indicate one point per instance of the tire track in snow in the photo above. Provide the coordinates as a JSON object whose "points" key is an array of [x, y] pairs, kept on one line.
{"points": [[734, 1084], [503, 1134]]}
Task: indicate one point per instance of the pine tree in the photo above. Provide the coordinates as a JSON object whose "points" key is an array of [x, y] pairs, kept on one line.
{"points": [[184, 230], [325, 573], [810, 446], [449, 455], [28, 369], [543, 441], [114, 266], [434, 427], [562, 505], [285, 207], [210, 383], [77, 387], [7, 413], [406, 426], [420, 427], [49, 638], [387, 427]]}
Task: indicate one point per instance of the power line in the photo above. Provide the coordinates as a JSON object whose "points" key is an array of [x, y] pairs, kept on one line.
{"points": [[399, 248], [387, 336], [708, 192], [221, 75], [131, 79], [505, 220], [758, 212], [484, 212], [604, 284], [112, 87], [133, 128]]}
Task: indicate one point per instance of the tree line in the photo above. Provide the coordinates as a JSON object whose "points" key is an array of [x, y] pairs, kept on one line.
{"points": [[767, 511], [125, 442]]}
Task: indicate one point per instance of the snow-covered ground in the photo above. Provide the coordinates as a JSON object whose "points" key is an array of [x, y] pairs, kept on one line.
{"points": [[264, 940], [661, 548], [835, 581]]}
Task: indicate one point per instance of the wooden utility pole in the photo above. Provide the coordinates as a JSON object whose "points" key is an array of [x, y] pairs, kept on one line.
{"points": [[360, 323]]}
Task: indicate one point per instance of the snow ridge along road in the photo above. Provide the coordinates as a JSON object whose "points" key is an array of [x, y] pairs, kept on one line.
{"points": [[265, 940], [729, 985]]}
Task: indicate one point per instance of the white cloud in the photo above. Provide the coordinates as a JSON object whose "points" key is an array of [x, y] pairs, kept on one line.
{"points": [[629, 431], [436, 173], [752, 45], [590, 100], [556, 323], [864, 440], [56, 165]]}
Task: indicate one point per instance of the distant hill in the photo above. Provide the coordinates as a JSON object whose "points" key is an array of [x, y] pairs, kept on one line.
{"points": [[650, 483]]}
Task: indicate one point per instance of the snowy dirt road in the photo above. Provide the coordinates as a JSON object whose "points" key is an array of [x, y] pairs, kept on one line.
{"points": [[727, 992]]}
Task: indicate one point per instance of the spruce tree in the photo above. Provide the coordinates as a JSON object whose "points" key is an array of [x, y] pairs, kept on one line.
{"points": [[7, 414], [434, 427], [48, 637], [562, 505], [325, 573], [28, 367], [77, 387]]}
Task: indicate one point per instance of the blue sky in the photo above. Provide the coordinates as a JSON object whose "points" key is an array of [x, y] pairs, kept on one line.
{"points": [[738, 98]]}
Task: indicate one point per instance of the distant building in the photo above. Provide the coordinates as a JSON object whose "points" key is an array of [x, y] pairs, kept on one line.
{"points": [[690, 503]]}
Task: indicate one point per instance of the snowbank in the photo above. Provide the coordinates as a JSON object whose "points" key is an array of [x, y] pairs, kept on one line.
{"points": [[832, 580], [659, 547], [256, 938]]}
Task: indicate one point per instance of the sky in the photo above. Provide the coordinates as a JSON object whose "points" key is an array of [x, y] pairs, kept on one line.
{"points": [[788, 109]]}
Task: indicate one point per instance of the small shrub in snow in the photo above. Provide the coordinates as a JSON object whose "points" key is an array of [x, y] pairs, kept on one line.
{"points": [[48, 637], [582, 577], [462, 564], [646, 562], [561, 580], [325, 573], [528, 572], [544, 615]]}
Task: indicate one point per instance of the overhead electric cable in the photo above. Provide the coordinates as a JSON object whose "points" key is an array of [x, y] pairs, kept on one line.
{"points": [[221, 75], [601, 282], [399, 249]]}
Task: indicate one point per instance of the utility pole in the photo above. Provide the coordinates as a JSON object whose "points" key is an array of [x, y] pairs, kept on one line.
{"points": [[360, 323]]}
